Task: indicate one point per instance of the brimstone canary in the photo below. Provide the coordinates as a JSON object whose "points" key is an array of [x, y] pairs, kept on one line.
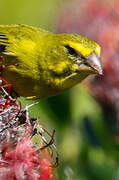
{"points": [[47, 63]]}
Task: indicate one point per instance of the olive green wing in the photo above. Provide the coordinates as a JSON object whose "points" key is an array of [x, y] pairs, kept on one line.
{"points": [[17, 39]]}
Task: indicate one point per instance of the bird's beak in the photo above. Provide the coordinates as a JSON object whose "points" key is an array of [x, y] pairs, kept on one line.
{"points": [[94, 63]]}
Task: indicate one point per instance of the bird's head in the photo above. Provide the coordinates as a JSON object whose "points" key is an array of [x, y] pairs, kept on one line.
{"points": [[85, 54], [72, 58]]}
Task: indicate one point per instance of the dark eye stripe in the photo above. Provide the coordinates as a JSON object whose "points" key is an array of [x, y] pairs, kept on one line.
{"points": [[71, 51]]}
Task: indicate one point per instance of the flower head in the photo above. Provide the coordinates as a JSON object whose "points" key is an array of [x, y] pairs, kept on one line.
{"points": [[20, 157]]}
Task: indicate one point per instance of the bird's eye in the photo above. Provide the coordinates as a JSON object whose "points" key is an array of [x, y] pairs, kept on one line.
{"points": [[71, 51]]}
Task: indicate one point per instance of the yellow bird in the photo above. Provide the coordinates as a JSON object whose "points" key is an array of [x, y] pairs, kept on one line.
{"points": [[47, 63]]}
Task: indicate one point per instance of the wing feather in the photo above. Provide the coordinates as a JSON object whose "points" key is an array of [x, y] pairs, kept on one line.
{"points": [[11, 35]]}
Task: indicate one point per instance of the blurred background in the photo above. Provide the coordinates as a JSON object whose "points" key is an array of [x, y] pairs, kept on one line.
{"points": [[86, 117]]}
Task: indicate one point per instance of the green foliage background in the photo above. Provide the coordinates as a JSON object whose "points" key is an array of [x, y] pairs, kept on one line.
{"points": [[87, 152]]}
